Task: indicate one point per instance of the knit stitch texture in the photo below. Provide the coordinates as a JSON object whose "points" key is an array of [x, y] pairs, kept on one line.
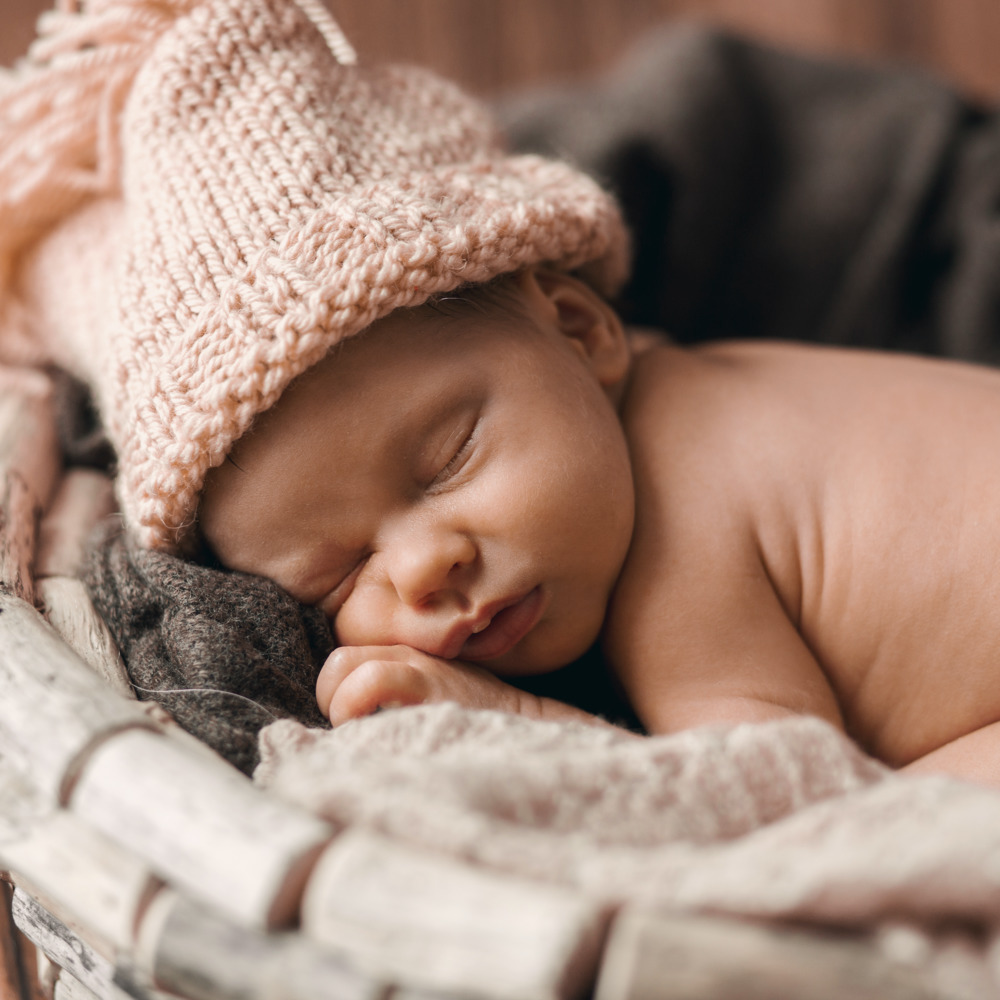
{"points": [[226, 653]]}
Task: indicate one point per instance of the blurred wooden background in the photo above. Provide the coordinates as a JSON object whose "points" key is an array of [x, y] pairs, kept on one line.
{"points": [[492, 45]]}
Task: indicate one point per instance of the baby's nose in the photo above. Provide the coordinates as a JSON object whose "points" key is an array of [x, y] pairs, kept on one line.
{"points": [[428, 564]]}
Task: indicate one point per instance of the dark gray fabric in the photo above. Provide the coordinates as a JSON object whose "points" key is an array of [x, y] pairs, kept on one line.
{"points": [[82, 440], [769, 195], [249, 651], [776, 196]]}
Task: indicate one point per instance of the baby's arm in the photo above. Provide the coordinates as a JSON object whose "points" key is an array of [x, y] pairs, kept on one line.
{"points": [[719, 649], [699, 632], [975, 757], [358, 680]]}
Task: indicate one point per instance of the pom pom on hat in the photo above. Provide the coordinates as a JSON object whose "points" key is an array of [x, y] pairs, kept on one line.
{"points": [[277, 199]]}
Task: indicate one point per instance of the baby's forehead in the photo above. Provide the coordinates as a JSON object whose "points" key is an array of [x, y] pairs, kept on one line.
{"points": [[412, 343], [401, 373]]}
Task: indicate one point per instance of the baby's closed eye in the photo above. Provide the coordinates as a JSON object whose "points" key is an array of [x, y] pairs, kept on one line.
{"points": [[455, 451], [334, 600]]}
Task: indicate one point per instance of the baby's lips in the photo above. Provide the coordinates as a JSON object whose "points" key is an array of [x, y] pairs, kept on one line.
{"points": [[506, 629], [456, 642]]}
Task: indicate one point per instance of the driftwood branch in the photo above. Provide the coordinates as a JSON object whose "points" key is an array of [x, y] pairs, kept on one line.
{"points": [[54, 709], [85, 879], [440, 924], [653, 956], [185, 949], [63, 946], [201, 825], [29, 466], [70, 611], [83, 498], [68, 987], [19, 509]]}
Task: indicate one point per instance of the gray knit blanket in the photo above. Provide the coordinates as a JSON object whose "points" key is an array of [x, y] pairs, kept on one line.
{"points": [[769, 195], [225, 653]]}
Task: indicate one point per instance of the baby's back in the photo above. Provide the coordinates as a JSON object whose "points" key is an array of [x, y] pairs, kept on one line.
{"points": [[818, 529]]}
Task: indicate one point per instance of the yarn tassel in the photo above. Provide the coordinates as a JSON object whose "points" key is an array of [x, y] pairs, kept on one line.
{"points": [[60, 111]]}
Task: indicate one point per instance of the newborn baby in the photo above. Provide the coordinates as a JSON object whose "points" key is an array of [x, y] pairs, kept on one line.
{"points": [[479, 490], [341, 335]]}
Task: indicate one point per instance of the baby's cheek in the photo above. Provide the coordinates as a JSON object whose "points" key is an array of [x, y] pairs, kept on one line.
{"points": [[361, 619]]}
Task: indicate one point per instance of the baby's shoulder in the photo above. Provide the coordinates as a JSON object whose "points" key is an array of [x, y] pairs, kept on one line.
{"points": [[701, 404], [801, 395], [781, 441], [696, 422]]}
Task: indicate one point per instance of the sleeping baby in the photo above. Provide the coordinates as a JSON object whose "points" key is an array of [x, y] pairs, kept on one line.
{"points": [[478, 492], [342, 339]]}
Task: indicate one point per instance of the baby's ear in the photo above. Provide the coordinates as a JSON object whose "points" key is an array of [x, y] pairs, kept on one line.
{"points": [[580, 314]]}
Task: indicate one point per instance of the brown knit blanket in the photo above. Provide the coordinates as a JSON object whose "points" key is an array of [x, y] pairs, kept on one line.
{"points": [[225, 653]]}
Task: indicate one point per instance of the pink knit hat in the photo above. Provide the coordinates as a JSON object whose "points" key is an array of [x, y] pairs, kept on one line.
{"points": [[269, 198]]}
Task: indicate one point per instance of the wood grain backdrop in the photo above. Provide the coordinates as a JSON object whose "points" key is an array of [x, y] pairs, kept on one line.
{"points": [[490, 45]]}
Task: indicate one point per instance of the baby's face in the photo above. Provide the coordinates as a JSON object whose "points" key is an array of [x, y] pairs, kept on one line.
{"points": [[460, 485]]}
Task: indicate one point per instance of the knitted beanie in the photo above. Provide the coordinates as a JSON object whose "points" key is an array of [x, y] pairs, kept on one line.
{"points": [[267, 198]]}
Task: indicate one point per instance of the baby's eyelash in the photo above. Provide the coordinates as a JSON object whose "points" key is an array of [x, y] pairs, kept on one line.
{"points": [[335, 599], [459, 458]]}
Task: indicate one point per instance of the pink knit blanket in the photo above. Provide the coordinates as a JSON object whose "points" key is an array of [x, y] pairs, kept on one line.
{"points": [[774, 821]]}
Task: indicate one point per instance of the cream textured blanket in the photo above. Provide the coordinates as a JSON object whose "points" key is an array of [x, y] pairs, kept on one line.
{"points": [[774, 821]]}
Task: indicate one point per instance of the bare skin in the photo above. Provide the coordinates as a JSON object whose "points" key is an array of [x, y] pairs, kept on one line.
{"points": [[818, 534], [815, 530]]}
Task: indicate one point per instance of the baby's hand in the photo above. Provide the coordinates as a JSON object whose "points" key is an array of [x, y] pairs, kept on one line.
{"points": [[358, 680]]}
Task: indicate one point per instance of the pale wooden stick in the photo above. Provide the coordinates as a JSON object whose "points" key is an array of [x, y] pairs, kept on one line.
{"points": [[29, 466], [29, 442], [201, 825], [70, 611], [415, 993], [438, 923], [660, 957], [86, 880], [22, 807], [68, 987], [187, 950], [64, 947], [18, 521], [54, 709], [65, 953], [82, 498]]}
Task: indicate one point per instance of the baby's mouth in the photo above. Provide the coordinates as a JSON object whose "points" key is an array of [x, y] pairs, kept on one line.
{"points": [[505, 628]]}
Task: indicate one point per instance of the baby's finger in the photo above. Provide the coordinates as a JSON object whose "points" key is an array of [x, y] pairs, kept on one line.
{"points": [[376, 684], [344, 660], [340, 664]]}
